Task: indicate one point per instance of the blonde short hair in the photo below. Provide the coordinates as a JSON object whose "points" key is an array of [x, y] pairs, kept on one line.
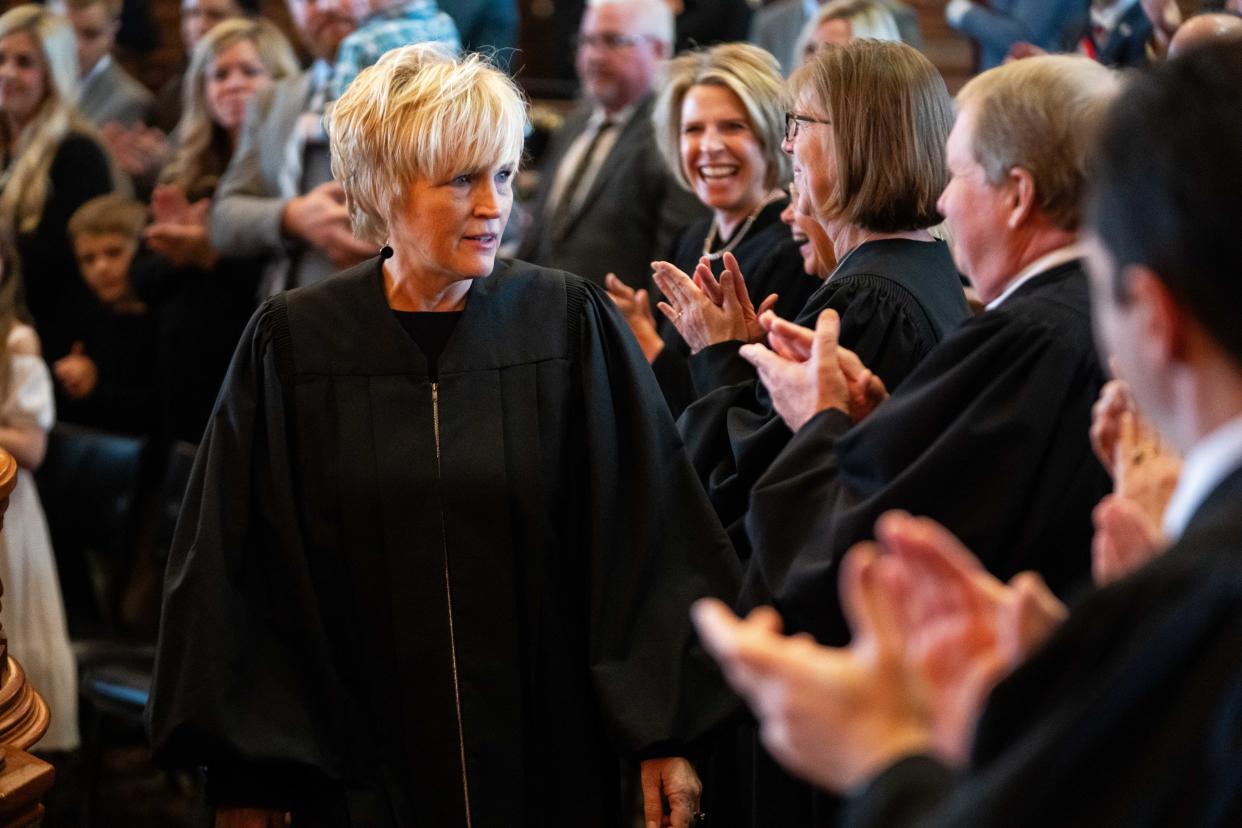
{"points": [[419, 112], [891, 116], [1041, 114], [109, 214], [748, 72]]}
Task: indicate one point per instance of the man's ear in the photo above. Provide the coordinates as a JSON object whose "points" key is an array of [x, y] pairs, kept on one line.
{"points": [[1022, 197], [1163, 322]]}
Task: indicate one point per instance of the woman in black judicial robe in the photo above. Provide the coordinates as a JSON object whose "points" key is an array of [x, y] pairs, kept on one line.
{"points": [[438, 550], [718, 124], [872, 183]]}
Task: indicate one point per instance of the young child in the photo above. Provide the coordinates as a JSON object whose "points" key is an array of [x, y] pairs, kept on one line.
{"points": [[387, 24], [33, 610], [108, 378]]}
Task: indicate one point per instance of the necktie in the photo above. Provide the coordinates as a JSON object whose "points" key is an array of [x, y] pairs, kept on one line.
{"points": [[574, 186]]}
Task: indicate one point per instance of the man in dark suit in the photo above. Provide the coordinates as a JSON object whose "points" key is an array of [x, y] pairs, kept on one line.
{"points": [[1128, 713], [606, 202]]}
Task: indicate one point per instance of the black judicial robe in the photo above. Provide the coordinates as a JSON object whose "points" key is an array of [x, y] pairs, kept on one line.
{"points": [[989, 436], [771, 263], [383, 592], [897, 300], [1131, 714]]}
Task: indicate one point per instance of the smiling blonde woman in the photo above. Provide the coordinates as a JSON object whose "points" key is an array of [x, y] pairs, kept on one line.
{"points": [[438, 553]]}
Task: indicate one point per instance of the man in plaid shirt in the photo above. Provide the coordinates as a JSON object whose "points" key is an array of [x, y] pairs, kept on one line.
{"points": [[388, 25]]}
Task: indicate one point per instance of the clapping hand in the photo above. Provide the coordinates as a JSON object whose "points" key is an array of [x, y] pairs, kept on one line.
{"points": [[1145, 470], [635, 306], [706, 311], [179, 230], [963, 628], [835, 717], [807, 371], [866, 390], [139, 150]]}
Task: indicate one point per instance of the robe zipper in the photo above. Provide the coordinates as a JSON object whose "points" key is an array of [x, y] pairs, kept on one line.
{"points": [[448, 589]]}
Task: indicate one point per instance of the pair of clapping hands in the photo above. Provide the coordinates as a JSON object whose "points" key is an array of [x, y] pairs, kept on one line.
{"points": [[932, 634], [705, 311], [932, 630], [806, 371], [1145, 471]]}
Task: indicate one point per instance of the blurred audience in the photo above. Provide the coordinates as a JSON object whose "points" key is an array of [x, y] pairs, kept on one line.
{"points": [[106, 92], [277, 200], [999, 25], [487, 26], [780, 26], [53, 163], [702, 23], [840, 21], [387, 24], [204, 291], [107, 380]]}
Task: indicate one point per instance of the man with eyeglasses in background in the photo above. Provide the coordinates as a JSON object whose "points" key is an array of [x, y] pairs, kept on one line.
{"points": [[606, 203]]}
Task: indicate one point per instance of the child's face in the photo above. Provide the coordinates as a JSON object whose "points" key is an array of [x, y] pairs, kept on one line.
{"points": [[104, 260]]}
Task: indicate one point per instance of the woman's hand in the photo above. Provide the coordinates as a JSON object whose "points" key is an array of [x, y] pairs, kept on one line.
{"points": [[706, 312], [635, 306], [180, 231]]}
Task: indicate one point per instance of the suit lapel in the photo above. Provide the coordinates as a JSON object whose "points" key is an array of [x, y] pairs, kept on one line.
{"points": [[628, 142], [281, 130]]}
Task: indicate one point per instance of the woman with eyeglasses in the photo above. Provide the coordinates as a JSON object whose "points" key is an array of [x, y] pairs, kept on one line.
{"points": [[867, 133], [718, 123]]}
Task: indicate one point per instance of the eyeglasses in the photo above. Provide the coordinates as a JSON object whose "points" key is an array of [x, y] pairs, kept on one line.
{"points": [[792, 121], [609, 41]]}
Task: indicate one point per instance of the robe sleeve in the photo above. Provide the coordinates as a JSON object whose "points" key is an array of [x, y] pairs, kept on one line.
{"points": [[732, 432], [989, 438], [656, 547], [243, 681], [901, 795]]}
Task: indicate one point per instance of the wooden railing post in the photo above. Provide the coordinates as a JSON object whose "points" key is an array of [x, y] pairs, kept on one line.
{"points": [[24, 779]]}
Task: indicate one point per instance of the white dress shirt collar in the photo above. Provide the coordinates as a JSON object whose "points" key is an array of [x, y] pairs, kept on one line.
{"points": [[1208, 463], [1043, 264]]}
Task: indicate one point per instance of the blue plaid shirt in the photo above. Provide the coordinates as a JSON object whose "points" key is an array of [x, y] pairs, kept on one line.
{"points": [[417, 21]]}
